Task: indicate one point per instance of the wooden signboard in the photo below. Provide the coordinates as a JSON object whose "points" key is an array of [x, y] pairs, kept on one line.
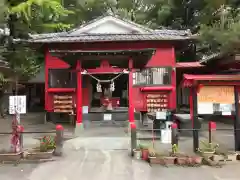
{"points": [[216, 94], [213, 99]]}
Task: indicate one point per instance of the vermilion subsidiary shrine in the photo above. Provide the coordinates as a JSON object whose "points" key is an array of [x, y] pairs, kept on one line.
{"points": [[111, 66]]}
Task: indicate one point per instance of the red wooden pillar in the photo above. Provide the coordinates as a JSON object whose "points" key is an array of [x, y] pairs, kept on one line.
{"points": [[47, 59], [191, 105], [194, 117], [130, 93], [79, 93]]}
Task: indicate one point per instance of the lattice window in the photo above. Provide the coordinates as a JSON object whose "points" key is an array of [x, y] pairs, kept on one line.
{"points": [[62, 78], [153, 76]]}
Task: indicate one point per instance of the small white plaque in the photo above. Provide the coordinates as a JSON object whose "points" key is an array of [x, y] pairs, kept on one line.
{"points": [[226, 113], [85, 109], [107, 117], [226, 109], [161, 115], [205, 108]]}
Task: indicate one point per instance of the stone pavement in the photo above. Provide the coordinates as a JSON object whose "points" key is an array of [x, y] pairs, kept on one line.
{"points": [[103, 153], [107, 157]]}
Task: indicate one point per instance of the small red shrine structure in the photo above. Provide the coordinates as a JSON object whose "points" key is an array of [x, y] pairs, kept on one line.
{"points": [[110, 66]]}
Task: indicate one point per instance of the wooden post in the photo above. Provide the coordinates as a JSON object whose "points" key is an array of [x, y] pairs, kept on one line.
{"points": [[47, 59], [59, 140], [236, 120], [212, 126], [194, 117], [20, 130], [174, 134], [79, 124], [130, 93], [133, 138]]}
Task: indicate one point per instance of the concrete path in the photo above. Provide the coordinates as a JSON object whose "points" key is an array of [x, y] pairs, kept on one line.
{"points": [[102, 154], [107, 159]]}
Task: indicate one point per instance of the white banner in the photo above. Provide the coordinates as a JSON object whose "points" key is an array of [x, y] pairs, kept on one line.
{"points": [[17, 103]]}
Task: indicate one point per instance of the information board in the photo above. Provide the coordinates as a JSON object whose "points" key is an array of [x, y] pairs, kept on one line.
{"points": [[17, 103], [215, 99]]}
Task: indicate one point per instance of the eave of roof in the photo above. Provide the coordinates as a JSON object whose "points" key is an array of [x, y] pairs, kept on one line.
{"points": [[189, 65], [107, 38], [104, 51], [212, 77]]}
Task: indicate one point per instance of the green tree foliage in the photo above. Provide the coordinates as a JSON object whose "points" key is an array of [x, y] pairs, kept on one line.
{"points": [[217, 21], [40, 15], [31, 16], [221, 31]]}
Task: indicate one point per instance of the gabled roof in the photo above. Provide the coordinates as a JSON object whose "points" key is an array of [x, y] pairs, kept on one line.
{"points": [[110, 28], [84, 28]]}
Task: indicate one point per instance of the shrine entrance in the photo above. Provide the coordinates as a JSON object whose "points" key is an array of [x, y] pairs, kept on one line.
{"points": [[104, 83], [107, 96], [112, 86]]}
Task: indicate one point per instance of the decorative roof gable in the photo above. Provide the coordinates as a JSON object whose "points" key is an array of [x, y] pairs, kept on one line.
{"points": [[110, 25]]}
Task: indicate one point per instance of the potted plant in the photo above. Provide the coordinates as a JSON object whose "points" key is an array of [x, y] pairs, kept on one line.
{"points": [[156, 157], [232, 156], [144, 151], [180, 158], [45, 149], [137, 153], [208, 149], [152, 155]]}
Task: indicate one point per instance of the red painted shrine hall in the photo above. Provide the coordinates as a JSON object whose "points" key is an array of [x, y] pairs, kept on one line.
{"points": [[111, 69]]}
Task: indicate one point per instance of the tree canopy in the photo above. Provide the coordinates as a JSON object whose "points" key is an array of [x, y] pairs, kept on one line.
{"points": [[216, 21]]}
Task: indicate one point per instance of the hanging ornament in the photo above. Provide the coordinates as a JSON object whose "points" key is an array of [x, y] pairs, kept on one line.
{"points": [[112, 86], [99, 87]]}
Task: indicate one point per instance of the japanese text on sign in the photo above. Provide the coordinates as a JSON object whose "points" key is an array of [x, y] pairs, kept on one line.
{"points": [[216, 94], [17, 103]]}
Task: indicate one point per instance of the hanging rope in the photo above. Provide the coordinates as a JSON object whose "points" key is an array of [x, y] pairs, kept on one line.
{"points": [[108, 80]]}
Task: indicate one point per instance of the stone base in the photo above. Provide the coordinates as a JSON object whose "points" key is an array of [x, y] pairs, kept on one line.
{"points": [[78, 129]]}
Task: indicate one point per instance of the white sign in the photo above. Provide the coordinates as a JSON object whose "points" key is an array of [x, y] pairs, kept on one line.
{"points": [[226, 109], [85, 109], [17, 103], [161, 115], [205, 108], [107, 117], [166, 136]]}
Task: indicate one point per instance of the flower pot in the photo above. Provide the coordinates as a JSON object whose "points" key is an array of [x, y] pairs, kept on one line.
{"points": [[182, 160], [207, 154], [232, 157], [10, 156], [37, 154], [137, 154], [197, 160], [217, 158], [156, 160], [145, 154], [169, 160]]}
